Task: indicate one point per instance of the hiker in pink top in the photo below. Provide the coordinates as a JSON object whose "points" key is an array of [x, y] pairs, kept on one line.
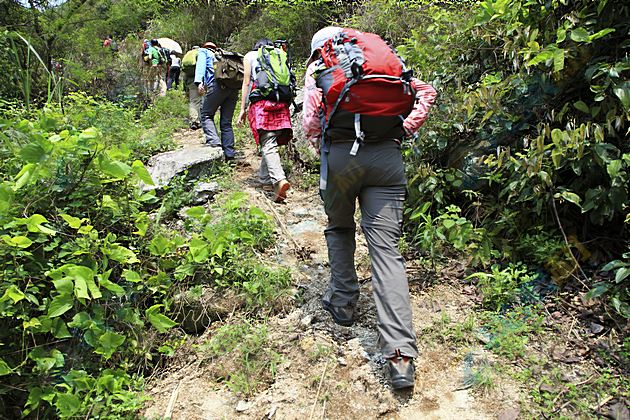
{"points": [[271, 126], [361, 158]]}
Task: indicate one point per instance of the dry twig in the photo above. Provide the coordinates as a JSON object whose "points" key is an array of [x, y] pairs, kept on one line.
{"points": [[321, 381]]}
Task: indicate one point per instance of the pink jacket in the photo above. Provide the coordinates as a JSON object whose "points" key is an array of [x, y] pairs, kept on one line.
{"points": [[425, 96]]}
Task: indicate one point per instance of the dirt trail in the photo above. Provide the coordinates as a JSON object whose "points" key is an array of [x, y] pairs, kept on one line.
{"points": [[356, 384]]}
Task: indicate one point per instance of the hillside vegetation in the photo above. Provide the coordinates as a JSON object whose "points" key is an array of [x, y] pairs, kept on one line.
{"points": [[521, 171]]}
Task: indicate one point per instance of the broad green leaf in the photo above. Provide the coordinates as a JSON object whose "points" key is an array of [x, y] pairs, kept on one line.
{"points": [[115, 169], [132, 276], [199, 250], [142, 224], [6, 198], [256, 212], [4, 368], [416, 213], [60, 305], [545, 177], [64, 286], [112, 287], [59, 329], [196, 212], [68, 404], [24, 175], [159, 321], [614, 264], [622, 91], [598, 290], [613, 168], [109, 342], [217, 249], [572, 197], [622, 274], [159, 245], [247, 238], [580, 35], [32, 153], [208, 233], [448, 223], [74, 222], [81, 320], [541, 57], [601, 33], [12, 293], [558, 59], [34, 224], [561, 35], [89, 133], [120, 253], [581, 106], [83, 281], [32, 323], [18, 241], [111, 203], [141, 171]]}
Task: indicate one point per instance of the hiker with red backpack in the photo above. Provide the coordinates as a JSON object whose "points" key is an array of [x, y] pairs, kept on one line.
{"points": [[269, 116], [359, 104], [215, 96]]}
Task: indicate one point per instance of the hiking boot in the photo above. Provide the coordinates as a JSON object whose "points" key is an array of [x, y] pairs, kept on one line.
{"points": [[343, 316], [212, 145], [268, 187], [230, 161], [281, 191], [402, 372]]}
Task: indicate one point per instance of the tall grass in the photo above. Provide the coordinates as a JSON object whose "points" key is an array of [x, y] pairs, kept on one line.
{"points": [[25, 70]]}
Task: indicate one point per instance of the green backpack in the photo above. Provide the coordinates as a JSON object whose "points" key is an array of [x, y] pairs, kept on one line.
{"points": [[189, 62], [274, 78]]}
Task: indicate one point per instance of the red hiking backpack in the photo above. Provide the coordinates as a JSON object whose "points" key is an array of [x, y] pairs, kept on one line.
{"points": [[363, 76]]}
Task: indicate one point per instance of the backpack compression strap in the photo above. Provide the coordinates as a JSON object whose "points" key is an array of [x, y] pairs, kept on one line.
{"points": [[267, 59]]}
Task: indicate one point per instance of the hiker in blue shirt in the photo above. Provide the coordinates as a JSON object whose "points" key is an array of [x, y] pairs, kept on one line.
{"points": [[215, 96]]}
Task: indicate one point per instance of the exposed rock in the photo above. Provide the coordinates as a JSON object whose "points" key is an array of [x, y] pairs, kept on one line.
{"points": [[242, 406], [307, 321], [620, 411], [511, 414], [596, 328], [196, 313], [547, 388], [194, 162], [205, 191]]}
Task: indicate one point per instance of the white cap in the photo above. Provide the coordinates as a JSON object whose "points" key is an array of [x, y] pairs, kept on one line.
{"points": [[321, 37]]}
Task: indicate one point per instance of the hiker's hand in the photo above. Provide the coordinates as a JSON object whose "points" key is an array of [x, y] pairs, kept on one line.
{"points": [[241, 118], [201, 89]]}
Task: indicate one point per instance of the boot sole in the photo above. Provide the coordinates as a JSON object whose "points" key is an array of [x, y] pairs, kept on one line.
{"points": [[282, 192], [401, 383]]}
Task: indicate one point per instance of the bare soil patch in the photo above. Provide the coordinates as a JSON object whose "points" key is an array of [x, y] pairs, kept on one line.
{"points": [[332, 372]]}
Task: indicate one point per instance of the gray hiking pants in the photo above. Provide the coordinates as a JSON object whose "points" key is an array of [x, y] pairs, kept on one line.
{"points": [[194, 107], [376, 176], [271, 171]]}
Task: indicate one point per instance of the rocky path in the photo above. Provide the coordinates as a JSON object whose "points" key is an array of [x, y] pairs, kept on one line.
{"points": [[329, 371]]}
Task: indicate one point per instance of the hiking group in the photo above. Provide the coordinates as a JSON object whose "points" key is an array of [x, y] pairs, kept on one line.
{"points": [[360, 104]]}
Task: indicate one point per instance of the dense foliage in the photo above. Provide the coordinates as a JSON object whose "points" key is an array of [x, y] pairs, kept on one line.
{"points": [[529, 136], [88, 274], [522, 165]]}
